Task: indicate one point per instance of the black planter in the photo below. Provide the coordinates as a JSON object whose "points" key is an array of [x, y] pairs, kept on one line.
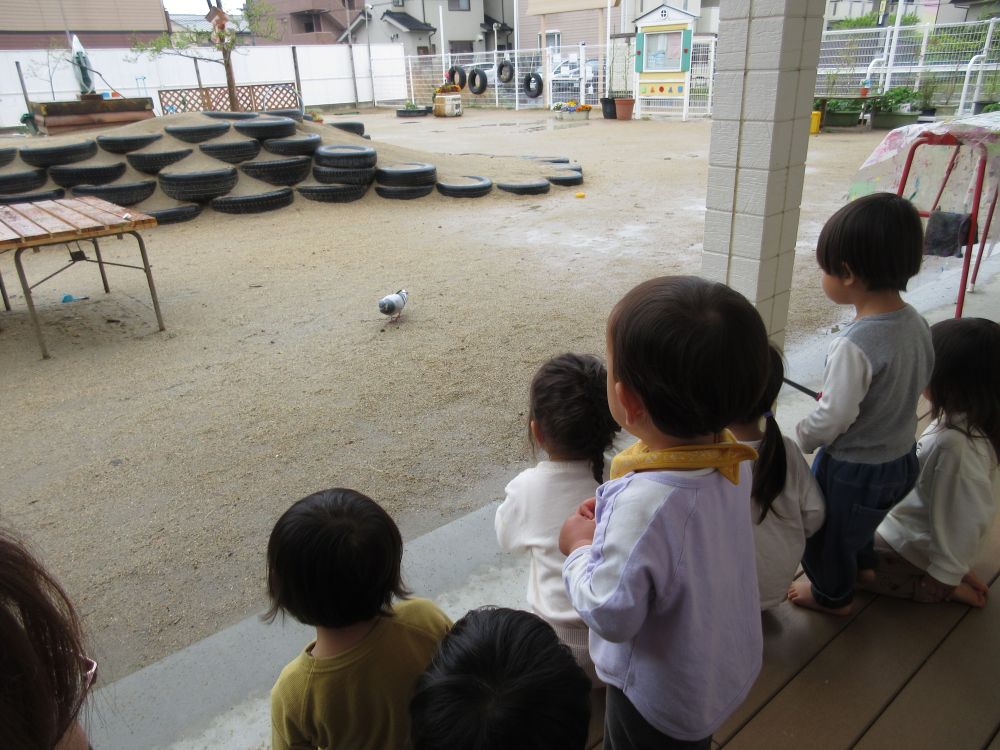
{"points": [[412, 112], [978, 107], [928, 111], [608, 108]]}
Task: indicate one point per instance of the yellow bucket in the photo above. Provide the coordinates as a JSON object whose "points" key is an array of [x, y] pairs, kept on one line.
{"points": [[814, 123]]}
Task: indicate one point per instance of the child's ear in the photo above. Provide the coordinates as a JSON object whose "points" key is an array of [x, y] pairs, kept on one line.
{"points": [[847, 277], [634, 409], [536, 432]]}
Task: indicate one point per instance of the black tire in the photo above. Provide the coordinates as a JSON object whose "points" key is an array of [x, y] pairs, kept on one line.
{"points": [[22, 182], [266, 127], [45, 195], [415, 174], [71, 175], [231, 115], [533, 85], [358, 128], [412, 113], [505, 71], [153, 162], [297, 145], [123, 144], [47, 156], [123, 193], [197, 133], [7, 156], [294, 114], [344, 175], [404, 192], [232, 152], [254, 204], [477, 81], [477, 189], [333, 193], [198, 186], [285, 171], [569, 178], [533, 187], [346, 156], [549, 159], [456, 75], [175, 214]]}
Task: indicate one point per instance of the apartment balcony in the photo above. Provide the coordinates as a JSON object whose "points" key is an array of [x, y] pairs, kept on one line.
{"points": [[316, 37]]}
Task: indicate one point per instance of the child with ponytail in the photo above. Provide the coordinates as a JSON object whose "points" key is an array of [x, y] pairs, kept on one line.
{"points": [[787, 505], [570, 420]]}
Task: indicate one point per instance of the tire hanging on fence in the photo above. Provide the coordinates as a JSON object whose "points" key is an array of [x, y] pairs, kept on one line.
{"points": [[533, 85], [505, 71], [477, 81], [456, 75]]}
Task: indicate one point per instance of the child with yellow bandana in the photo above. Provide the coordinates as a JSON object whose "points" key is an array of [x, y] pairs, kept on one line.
{"points": [[661, 565]]}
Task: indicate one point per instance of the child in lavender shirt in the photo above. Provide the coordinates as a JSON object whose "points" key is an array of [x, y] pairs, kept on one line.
{"points": [[661, 566]]}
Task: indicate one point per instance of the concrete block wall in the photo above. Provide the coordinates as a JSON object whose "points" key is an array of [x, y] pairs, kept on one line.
{"points": [[766, 73]]}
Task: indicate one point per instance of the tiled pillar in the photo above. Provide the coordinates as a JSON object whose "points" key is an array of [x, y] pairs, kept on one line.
{"points": [[765, 76]]}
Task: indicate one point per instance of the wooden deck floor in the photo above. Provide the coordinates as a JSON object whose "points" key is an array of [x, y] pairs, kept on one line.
{"points": [[895, 674]]}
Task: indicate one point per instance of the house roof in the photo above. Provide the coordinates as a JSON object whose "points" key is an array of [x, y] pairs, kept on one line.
{"points": [[406, 22], [195, 23], [355, 22], [667, 7], [487, 25]]}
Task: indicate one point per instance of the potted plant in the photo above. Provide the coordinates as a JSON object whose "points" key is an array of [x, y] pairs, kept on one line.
{"points": [[624, 104], [888, 110], [447, 100], [925, 92], [842, 113], [412, 109], [571, 110]]}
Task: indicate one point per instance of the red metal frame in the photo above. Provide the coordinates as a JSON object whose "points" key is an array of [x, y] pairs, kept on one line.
{"points": [[947, 139]]}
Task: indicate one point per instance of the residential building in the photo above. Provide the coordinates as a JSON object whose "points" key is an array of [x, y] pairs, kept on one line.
{"points": [[429, 26], [312, 21], [34, 24], [929, 11], [181, 23]]}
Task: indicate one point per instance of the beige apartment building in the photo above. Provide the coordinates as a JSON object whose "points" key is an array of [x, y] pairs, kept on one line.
{"points": [[31, 24]]}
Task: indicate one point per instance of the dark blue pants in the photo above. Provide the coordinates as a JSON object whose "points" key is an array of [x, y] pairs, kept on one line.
{"points": [[626, 729], [858, 496]]}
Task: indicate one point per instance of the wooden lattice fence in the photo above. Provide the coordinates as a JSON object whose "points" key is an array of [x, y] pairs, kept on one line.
{"points": [[250, 98]]}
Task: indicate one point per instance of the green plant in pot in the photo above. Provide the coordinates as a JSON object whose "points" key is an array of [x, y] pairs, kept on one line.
{"points": [[926, 91], [842, 113], [889, 111]]}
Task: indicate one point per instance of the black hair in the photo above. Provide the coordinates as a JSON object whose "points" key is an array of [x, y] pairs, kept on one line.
{"points": [[333, 560], [569, 404], [965, 376], [42, 674], [694, 351], [770, 468], [879, 238], [501, 679]]}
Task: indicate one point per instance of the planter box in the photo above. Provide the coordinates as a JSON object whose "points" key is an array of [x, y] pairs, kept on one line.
{"points": [[893, 120], [841, 119], [577, 115], [448, 105]]}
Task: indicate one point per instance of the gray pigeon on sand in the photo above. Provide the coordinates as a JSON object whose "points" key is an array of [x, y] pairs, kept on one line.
{"points": [[393, 304]]}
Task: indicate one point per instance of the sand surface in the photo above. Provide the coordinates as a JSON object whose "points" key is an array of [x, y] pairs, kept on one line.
{"points": [[147, 468]]}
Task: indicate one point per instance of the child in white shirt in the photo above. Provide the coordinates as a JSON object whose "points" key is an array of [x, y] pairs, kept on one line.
{"points": [[787, 506], [928, 543], [570, 420]]}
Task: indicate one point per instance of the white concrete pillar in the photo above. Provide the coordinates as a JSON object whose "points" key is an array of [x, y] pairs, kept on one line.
{"points": [[765, 76]]}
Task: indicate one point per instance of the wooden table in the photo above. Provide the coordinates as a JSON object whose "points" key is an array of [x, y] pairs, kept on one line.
{"points": [[59, 222]]}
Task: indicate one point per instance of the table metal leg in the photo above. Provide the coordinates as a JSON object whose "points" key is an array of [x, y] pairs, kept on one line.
{"points": [[26, 288], [100, 264], [149, 278], [3, 293]]}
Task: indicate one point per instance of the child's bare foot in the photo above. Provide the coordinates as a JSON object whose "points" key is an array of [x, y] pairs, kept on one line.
{"points": [[800, 592], [866, 576], [965, 594], [975, 582]]}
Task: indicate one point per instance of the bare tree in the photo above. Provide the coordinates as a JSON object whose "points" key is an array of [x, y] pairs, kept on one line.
{"points": [[57, 54]]}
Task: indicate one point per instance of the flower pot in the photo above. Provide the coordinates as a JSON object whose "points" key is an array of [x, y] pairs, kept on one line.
{"points": [[608, 108], [418, 112], [978, 107], [841, 119], [623, 108], [448, 105], [579, 114], [893, 120], [928, 111]]}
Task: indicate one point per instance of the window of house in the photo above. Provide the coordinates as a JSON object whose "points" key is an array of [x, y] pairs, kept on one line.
{"points": [[458, 4], [398, 3], [552, 39], [663, 51], [459, 47]]}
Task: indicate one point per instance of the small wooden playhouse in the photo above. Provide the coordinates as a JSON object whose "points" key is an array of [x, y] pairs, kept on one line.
{"points": [[663, 42]]}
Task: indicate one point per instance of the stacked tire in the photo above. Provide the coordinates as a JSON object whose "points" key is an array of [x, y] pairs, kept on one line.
{"points": [[405, 181], [344, 173]]}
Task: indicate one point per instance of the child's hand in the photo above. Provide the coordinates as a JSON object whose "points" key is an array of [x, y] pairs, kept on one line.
{"points": [[578, 529], [934, 589], [588, 508]]}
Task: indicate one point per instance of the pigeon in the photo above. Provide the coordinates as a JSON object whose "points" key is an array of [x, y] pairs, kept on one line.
{"points": [[393, 304]]}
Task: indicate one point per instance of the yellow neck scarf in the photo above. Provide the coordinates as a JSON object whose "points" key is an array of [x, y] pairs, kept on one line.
{"points": [[725, 456]]}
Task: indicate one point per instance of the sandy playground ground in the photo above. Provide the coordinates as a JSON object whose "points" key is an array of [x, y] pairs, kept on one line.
{"points": [[147, 468]]}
